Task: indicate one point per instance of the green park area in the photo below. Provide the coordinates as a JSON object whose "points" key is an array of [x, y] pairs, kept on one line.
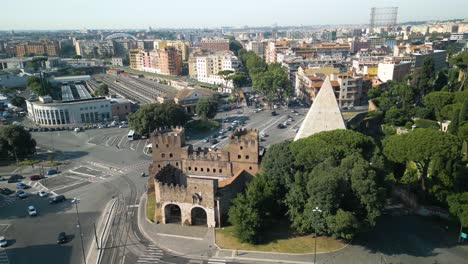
{"points": [[282, 239]]}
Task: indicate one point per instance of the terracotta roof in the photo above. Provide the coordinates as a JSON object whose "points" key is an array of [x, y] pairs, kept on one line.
{"points": [[335, 83], [317, 84]]}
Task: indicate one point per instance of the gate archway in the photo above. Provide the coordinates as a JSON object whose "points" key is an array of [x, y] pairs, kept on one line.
{"points": [[198, 216], [173, 214]]}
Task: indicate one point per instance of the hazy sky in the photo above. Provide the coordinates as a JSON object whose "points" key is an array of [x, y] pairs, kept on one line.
{"points": [[91, 14]]}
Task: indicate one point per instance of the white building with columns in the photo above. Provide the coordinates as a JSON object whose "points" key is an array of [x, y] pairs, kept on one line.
{"points": [[47, 112]]}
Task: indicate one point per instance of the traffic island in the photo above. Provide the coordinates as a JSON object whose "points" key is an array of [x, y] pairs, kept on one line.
{"points": [[279, 241]]}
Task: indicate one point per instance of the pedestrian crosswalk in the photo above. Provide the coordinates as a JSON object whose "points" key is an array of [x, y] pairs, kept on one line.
{"points": [[3, 257], [152, 254], [216, 261]]}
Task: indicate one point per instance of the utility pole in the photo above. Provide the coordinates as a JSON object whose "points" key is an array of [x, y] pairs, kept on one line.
{"points": [[315, 246], [75, 201], [95, 236]]}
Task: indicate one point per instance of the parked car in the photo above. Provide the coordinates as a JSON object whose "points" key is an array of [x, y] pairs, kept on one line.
{"points": [[62, 238], [280, 126], [57, 199], [206, 140], [123, 126], [43, 194], [36, 177], [32, 211], [21, 194], [2, 178], [273, 113], [22, 186], [3, 241], [214, 141], [51, 172], [15, 178], [6, 191]]}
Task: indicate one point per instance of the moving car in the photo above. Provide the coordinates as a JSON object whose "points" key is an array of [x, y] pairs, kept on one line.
{"points": [[280, 126], [3, 241], [2, 178], [42, 194], [62, 238], [57, 199], [21, 194], [32, 211], [273, 113]]}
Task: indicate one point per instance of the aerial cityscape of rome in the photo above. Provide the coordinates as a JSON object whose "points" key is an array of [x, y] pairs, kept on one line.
{"points": [[213, 132]]}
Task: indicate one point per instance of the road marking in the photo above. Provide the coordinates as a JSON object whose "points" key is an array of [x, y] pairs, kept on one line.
{"points": [[3, 257], [133, 205], [107, 142], [185, 237], [138, 144], [131, 146], [120, 143], [216, 261], [195, 261]]}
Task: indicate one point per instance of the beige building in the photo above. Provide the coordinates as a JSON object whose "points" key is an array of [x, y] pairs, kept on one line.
{"points": [[208, 67], [49, 48], [181, 46], [194, 186]]}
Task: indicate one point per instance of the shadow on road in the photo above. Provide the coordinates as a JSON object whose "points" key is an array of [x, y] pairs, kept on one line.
{"points": [[51, 254], [58, 155], [410, 235]]}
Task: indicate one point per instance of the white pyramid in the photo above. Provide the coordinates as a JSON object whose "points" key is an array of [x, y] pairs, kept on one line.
{"points": [[323, 115]]}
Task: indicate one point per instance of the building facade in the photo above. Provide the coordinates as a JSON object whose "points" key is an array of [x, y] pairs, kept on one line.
{"points": [[208, 67], [49, 48], [194, 186], [215, 45], [94, 48], [393, 71]]}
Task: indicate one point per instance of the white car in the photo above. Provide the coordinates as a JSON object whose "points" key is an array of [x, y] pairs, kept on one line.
{"points": [[32, 211], [43, 194], [3, 241], [123, 126]]}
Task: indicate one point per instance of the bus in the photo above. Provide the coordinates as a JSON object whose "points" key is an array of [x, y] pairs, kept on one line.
{"points": [[131, 135]]}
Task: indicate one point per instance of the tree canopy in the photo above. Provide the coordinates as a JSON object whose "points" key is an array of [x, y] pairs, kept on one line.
{"points": [[206, 107], [458, 206], [422, 146], [16, 143], [151, 116]]}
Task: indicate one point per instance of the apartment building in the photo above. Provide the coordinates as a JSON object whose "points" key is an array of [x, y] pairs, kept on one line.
{"points": [[94, 48], [181, 46], [393, 70], [50, 48], [215, 45], [167, 61], [208, 67], [258, 47]]}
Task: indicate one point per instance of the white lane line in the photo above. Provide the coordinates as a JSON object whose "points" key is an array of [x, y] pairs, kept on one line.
{"points": [[185, 237], [107, 142], [131, 146], [138, 144], [120, 142]]}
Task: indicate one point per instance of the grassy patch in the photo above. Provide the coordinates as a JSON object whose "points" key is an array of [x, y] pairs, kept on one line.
{"points": [[150, 206], [284, 242], [202, 125], [28, 162], [51, 163]]}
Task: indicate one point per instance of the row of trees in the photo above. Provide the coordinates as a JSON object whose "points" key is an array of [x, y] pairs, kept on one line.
{"points": [[15, 143], [270, 80], [39, 86]]}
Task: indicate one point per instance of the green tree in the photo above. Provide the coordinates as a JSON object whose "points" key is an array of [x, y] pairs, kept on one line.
{"points": [[151, 116], [246, 219], [454, 124], [461, 61], [234, 45], [396, 116], [422, 146], [225, 74], [344, 224], [102, 90], [206, 107], [19, 143], [18, 101], [464, 112], [458, 206], [437, 100]]}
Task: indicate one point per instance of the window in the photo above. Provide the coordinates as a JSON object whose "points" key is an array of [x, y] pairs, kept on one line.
{"points": [[220, 171], [239, 156], [189, 168], [247, 157], [170, 155], [157, 146], [196, 168], [159, 165], [208, 170], [241, 147], [201, 169], [177, 164], [250, 168], [167, 145], [214, 170], [163, 155]]}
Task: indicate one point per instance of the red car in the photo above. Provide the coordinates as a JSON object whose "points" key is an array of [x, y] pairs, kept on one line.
{"points": [[36, 177]]}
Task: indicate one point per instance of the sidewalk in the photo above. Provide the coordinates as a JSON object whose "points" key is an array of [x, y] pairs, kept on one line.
{"points": [[198, 243]]}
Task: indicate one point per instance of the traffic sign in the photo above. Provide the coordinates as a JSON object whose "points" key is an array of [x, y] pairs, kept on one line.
{"points": [[463, 235]]}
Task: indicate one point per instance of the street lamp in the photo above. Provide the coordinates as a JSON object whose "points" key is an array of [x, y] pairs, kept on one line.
{"points": [[316, 209], [218, 199], [75, 201]]}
